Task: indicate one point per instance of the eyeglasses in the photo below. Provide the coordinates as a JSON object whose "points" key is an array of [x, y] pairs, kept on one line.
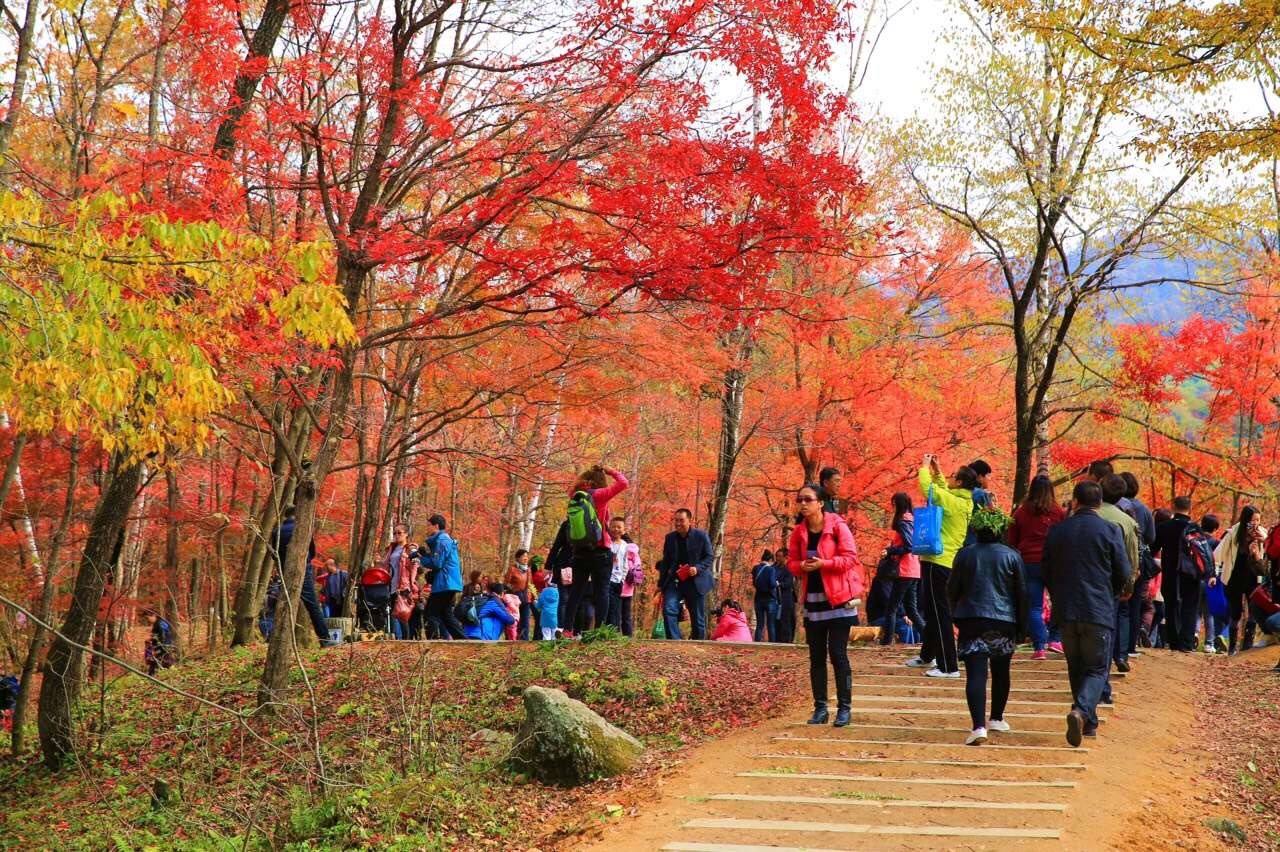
{"points": [[802, 500]]}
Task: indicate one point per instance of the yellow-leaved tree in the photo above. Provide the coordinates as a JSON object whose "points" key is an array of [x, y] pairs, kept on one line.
{"points": [[119, 324]]}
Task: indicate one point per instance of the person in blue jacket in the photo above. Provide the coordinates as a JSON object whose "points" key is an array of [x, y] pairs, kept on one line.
{"points": [[493, 616], [444, 568], [684, 574], [548, 606]]}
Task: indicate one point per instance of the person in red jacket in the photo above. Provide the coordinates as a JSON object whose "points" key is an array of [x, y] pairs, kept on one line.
{"points": [[1032, 521], [823, 556]]}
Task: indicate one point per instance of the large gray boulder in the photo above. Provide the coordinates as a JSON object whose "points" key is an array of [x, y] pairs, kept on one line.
{"points": [[563, 741]]}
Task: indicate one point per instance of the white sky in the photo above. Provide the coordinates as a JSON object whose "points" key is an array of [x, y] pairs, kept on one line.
{"points": [[898, 77]]}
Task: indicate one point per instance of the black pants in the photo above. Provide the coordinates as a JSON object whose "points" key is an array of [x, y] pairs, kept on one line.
{"points": [[596, 566], [1120, 639], [620, 610], [787, 619], [1238, 591], [374, 608], [902, 595], [1181, 606], [975, 686], [1087, 648], [522, 626], [830, 639], [1135, 616], [442, 620], [939, 634]]}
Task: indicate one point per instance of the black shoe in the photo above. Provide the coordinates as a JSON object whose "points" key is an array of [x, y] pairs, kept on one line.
{"points": [[1122, 665], [1091, 733], [1075, 728], [1107, 700], [842, 718], [819, 716]]}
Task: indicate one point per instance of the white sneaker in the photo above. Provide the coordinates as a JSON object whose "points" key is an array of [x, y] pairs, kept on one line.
{"points": [[1209, 649], [1135, 653], [998, 725], [917, 663], [978, 737], [936, 672]]}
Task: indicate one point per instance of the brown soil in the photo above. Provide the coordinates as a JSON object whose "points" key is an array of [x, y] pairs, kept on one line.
{"points": [[1138, 792]]}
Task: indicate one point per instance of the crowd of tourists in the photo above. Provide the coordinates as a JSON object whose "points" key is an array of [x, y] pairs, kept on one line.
{"points": [[1095, 578]]}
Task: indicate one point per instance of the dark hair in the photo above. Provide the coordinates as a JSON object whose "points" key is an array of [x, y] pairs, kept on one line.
{"points": [[1087, 494], [901, 506], [728, 603], [1161, 515], [816, 489], [521, 552], [497, 589], [290, 511], [1210, 523], [437, 520], [592, 477], [826, 473], [1040, 496], [1132, 488], [1100, 469], [619, 518], [1246, 518], [1182, 504], [980, 467], [688, 513], [1113, 488], [968, 479], [767, 556]]}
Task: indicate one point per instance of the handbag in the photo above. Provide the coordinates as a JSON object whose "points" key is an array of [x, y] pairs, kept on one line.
{"points": [[1215, 597], [928, 533]]}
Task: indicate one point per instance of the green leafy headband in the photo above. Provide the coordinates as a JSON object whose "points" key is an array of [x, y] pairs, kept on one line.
{"points": [[992, 521]]}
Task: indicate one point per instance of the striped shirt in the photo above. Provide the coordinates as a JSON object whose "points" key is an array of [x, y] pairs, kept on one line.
{"points": [[816, 605]]}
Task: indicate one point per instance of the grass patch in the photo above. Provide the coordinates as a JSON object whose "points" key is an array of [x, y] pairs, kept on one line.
{"points": [[1227, 827]]}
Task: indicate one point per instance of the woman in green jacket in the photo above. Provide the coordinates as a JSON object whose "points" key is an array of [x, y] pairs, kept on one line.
{"points": [[956, 499]]}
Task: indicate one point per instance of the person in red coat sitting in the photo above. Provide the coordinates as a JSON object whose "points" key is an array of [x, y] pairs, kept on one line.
{"points": [[731, 624], [823, 556]]}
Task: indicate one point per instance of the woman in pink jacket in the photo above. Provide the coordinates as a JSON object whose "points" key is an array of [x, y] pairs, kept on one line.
{"points": [[731, 624], [823, 556], [596, 563]]}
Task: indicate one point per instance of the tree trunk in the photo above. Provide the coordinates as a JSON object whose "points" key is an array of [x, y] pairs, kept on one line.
{"points": [[60, 689], [732, 400], [251, 73], [172, 613], [45, 609], [21, 66], [280, 650]]}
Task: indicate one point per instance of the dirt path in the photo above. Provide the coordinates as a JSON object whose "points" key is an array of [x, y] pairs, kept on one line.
{"points": [[901, 778]]}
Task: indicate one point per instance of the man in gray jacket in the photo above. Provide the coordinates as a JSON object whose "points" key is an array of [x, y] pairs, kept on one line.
{"points": [[1085, 569]]}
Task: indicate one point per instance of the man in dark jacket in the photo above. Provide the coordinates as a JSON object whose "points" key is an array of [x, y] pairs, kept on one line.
{"points": [[1147, 540], [684, 574], [1181, 589], [1085, 568], [786, 597], [311, 603], [764, 579]]}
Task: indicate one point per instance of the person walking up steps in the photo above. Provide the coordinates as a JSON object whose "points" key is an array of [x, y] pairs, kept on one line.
{"points": [[907, 582], [1113, 490], [823, 556], [1242, 560], [988, 600], [956, 500], [1031, 524], [1086, 568], [1179, 582]]}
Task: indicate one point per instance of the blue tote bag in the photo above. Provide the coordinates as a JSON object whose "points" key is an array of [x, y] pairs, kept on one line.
{"points": [[1216, 597], [928, 528]]}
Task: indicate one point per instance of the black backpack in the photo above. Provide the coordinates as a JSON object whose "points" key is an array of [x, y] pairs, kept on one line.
{"points": [[469, 609], [1196, 558]]}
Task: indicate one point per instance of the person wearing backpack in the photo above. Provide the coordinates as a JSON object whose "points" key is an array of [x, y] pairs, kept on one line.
{"points": [[158, 651], [684, 576], [1213, 617], [588, 534], [444, 572], [491, 615], [764, 579], [955, 497], [282, 536], [1241, 557], [905, 567], [1179, 579]]}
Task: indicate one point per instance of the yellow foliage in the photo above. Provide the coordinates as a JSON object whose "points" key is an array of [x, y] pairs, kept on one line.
{"points": [[111, 317]]}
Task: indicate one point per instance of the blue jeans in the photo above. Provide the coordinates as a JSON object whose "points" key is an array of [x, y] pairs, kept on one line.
{"points": [[1272, 625], [688, 593], [767, 612], [901, 597], [1041, 634]]}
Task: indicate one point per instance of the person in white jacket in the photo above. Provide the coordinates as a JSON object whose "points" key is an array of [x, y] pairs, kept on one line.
{"points": [[1240, 559], [622, 579]]}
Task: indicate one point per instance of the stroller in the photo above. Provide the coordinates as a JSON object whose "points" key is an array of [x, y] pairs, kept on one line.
{"points": [[374, 600]]}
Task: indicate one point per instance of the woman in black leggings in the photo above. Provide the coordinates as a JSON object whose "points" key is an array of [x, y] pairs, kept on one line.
{"points": [[988, 602], [1240, 557], [822, 554]]}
